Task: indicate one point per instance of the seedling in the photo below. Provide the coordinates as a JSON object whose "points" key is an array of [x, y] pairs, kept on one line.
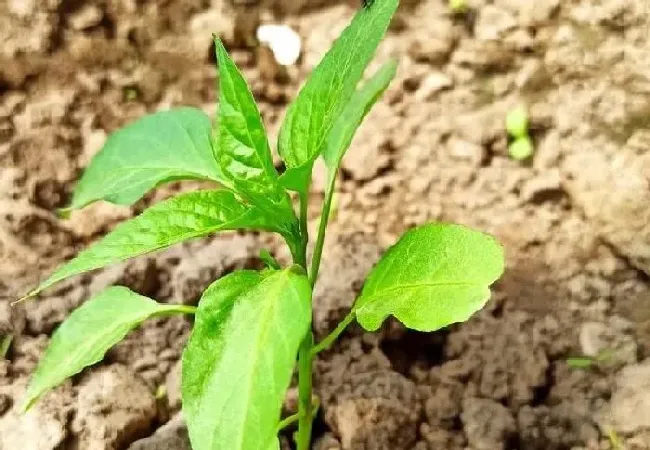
{"points": [[588, 362], [521, 145], [250, 325], [458, 6], [5, 345]]}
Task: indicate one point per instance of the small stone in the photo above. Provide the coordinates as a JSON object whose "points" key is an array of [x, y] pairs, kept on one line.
{"points": [[493, 22], [630, 406], [86, 17], [432, 84], [466, 150]]}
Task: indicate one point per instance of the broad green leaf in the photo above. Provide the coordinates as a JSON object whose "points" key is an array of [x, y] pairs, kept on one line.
{"points": [[241, 146], [160, 147], [90, 331], [175, 220], [239, 361], [328, 90], [436, 275], [349, 121]]}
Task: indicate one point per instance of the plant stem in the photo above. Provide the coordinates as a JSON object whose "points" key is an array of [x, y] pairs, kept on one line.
{"points": [[304, 231], [287, 421], [322, 228], [305, 407], [305, 415], [331, 338]]}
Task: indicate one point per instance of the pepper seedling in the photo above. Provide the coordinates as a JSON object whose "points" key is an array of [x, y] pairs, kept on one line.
{"points": [[252, 328], [521, 145]]}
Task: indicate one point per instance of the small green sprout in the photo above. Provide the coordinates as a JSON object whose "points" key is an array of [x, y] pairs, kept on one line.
{"points": [[251, 325], [521, 145], [5, 345], [587, 362], [130, 94], [458, 6], [614, 439]]}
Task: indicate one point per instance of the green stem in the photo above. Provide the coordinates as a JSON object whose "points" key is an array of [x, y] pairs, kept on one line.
{"points": [[305, 406], [322, 228], [287, 421], [301, 258], [331, 338]]}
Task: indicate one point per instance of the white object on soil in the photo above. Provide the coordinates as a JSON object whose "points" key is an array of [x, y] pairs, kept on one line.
{"points": [[283, 41]]}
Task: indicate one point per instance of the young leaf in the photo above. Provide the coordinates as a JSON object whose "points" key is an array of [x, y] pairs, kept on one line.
{"points": [[161, 147], [436, 275], [242, 148], [175, 220], [350, 119], [240, 358], [89, 332], [328, 90]]}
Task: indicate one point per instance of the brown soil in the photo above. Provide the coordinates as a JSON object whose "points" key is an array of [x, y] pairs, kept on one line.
{"points": [[575, 220]]}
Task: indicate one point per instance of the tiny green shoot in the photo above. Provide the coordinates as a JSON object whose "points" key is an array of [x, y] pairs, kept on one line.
{"points": [[253, 329], [458, 6], [521, 145], [5, 345], [588, 362], [614, 439]]}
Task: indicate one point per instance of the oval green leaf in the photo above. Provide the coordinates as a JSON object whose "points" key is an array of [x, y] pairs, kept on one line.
{"points": [[160, 147], [239, 361], [90, 331], [329, 88], [436, 275], [169, 222], [242, 148]]}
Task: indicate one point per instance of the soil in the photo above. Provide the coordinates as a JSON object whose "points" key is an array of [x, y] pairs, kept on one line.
{"points": [[574, 220]]}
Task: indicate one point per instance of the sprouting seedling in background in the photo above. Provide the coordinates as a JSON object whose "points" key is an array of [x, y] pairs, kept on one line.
{"points": [[587, 362], [251, 325], [5, 345], [521, 145], [458, 6]]}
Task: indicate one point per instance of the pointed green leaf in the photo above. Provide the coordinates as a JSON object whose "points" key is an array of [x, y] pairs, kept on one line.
{"points": [[241, 146], [436, 275], [90, 331], [349, 121], [239, 361], [175, 220], [328, 90], [160, 147]]}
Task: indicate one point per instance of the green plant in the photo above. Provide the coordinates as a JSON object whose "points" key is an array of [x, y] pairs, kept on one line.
{"points": [[521, 145], [458, 6], [249, 326], [588, 362]]}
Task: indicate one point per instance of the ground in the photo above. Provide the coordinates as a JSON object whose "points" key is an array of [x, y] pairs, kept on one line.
{"points": [[574, 220]]}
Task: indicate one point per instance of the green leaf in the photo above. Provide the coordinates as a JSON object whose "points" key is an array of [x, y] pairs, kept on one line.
{"points": [[436, 275], [175, 220], [349, 121], [239, 361], [161, 147], [90, 331], [241, 146], [328, 90]]}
